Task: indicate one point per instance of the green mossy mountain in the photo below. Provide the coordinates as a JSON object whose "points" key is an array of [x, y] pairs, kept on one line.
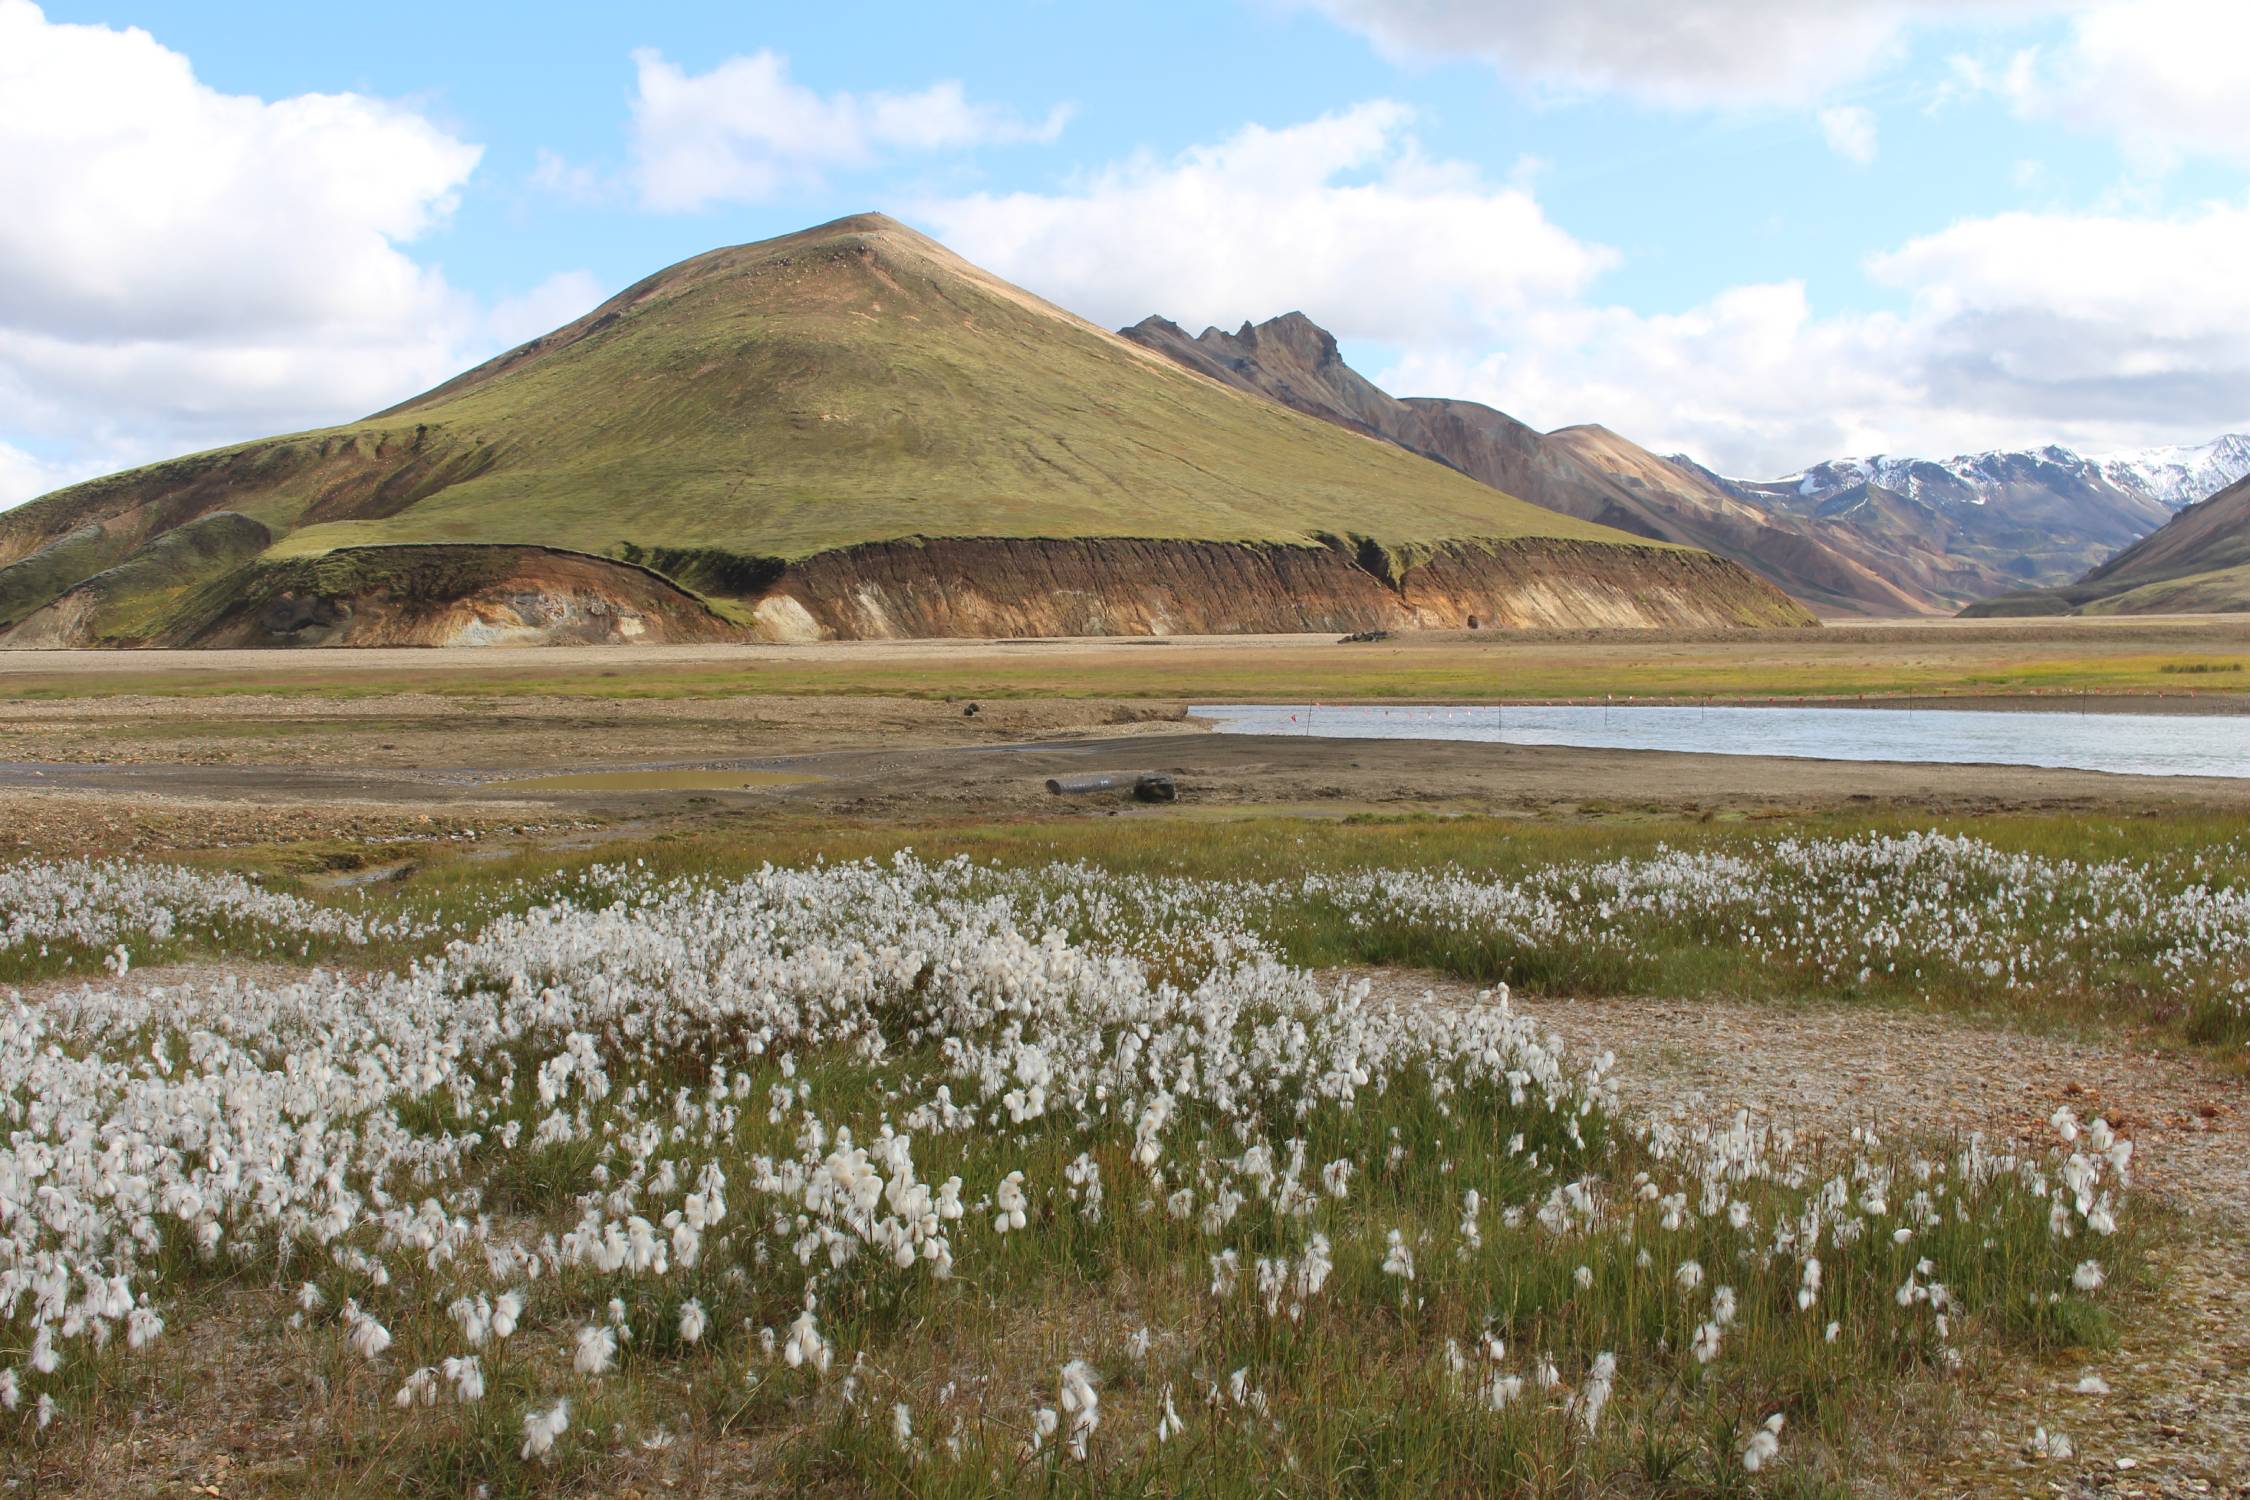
{"points": [[851, 384]]}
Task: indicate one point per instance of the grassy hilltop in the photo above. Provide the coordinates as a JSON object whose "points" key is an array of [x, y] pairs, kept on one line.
{"points": [[849, 383]]}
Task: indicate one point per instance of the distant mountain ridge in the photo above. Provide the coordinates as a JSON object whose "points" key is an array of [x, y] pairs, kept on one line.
{"points": [[2138, 482], [2037, 517], [2181, 474], [1883, 535], [2196, 563], [1856, 536]]}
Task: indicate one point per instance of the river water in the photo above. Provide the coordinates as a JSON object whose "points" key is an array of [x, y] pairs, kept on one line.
{"points": [[2131, 744]]}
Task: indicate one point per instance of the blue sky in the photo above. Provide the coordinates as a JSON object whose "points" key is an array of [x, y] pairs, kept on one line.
{"points": [[1760, 231]]}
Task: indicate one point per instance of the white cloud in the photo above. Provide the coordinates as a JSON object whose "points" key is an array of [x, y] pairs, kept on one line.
{"points": [[2164, 77], [2102, 330], [1670, 52], [143, 203], [181, 267], [2094, 331], [1850, 132], [1342, 216], [1751, 381], [2098, 319], [24, 475], [745, 130]]}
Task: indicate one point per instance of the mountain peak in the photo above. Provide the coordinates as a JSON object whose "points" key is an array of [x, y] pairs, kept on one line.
{"points": [[2139, 488]]}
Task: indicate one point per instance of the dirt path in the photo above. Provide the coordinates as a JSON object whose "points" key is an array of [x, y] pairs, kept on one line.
{"points": [[2176, 1421]]}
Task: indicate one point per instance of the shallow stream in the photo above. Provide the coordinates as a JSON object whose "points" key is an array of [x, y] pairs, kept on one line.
{"points": [[2129, 744]]}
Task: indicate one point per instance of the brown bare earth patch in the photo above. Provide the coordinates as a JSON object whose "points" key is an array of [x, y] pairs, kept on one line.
{"points": [[135, 771]]}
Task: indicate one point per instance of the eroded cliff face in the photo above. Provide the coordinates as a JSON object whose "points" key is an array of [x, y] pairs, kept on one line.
{"points": [[995, 587], [461, 596], [986, 587], [399, 596]]}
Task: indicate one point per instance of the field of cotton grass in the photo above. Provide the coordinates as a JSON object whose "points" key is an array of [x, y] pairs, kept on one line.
{"points": [[941, 1178]]}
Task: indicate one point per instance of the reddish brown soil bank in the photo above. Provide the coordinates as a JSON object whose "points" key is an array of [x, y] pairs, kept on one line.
{"points": [[463, 595], [1128, 586]]}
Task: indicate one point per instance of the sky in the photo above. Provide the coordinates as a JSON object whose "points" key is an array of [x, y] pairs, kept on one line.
{"points": [[1760, 232]]}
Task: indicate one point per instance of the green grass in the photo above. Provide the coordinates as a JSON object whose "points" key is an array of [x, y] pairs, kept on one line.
{"points": [[2219, 591], [134, 599], [30, 582], [1824, 664]]}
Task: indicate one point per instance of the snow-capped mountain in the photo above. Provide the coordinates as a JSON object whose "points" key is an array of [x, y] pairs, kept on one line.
{"points": [[2169, 477], [2179, 475], [2008, 517]]}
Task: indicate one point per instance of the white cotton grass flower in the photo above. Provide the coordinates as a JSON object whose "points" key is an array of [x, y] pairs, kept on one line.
{"points": [[2091, 1384], [420, 1389], [466, 1375], [367, 1337], [474, 1315], [142, 1327], [596, 1350], [693, 1321], [1010, 1201], [1689, 1275], [1594, 1394], [1765, 1445], [541, 1428], [2089, 1276], [1044, 1421], [1313, 1268], [805, 1345], [1168, 1423], [1081, 1403], [928, 982], [2049, 1445], [902, 1426]]}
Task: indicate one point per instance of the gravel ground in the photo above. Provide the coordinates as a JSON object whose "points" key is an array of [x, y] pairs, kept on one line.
{"points": [[2176, 1421]]}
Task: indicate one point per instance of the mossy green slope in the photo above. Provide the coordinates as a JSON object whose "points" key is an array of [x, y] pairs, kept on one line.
{"points": [[2196, 563], [130, 602], [851, 383]]}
